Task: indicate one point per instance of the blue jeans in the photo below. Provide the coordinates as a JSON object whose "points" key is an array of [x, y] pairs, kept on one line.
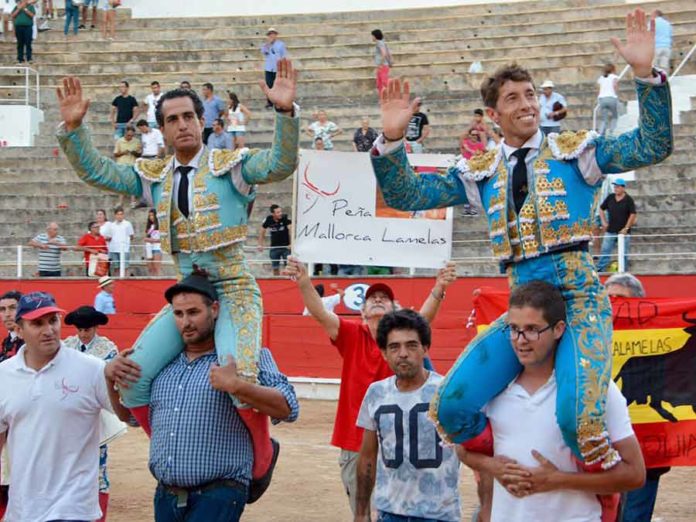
{"points": [[391, 517], [115, 261], [640, 503], [120, 130], [221, 504], [608, 246], [72, 13]]}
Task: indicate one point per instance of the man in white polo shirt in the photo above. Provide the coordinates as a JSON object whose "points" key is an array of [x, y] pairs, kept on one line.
{"points": [[50, 402], [536, 475], [152, 140], [118, 234]]}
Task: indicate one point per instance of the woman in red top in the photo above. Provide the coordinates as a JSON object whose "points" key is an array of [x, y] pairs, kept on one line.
{"points": [[91, 243], [471, 144]]}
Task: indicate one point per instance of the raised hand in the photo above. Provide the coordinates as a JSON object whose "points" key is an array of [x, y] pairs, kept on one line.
{"points": [[72, 106], [282, 95], [397, 109], [639, 49]]}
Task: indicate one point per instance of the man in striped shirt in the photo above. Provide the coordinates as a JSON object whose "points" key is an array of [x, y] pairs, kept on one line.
{"points": [[201, 453], [50, 246]]}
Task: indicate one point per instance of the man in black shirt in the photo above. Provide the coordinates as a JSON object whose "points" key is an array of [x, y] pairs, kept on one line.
{"points": [[8, 308], [622, 216], [364, 137], [281, 231], [124, 110], [418, 130]]}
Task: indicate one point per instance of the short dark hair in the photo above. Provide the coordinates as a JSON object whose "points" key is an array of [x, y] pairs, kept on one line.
{"points": [[91, 224], [219, 121], [103, 211], [130, 128], [490, 87], [273, 207], [377, 33], [154, 83], [178, 93], [318, 138], [540, 295], [478, 111], [12, 294], [320, 289], [404, 319], [141, 123], [118, 209], [209, 85], [185, 82], [125, 82]]}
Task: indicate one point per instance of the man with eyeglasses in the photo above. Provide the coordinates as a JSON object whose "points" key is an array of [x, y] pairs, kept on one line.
{"points": [[536, 475]]}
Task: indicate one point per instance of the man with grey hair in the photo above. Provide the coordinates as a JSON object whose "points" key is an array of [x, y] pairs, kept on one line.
{"points": [[50, 246], [636, 505]]}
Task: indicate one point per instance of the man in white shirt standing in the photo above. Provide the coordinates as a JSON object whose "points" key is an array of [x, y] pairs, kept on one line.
{"points": [[414, 476], [151, 104], [536, 475], [118, 234], [50, 401], [152, 140]]}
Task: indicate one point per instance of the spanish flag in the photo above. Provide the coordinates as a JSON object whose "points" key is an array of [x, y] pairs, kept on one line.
{"points": [[654, 365]]}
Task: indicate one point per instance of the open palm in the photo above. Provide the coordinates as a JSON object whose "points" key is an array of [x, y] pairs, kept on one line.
{"points": [[397, 108], [639, 49], [282, 95], [72, 105]]}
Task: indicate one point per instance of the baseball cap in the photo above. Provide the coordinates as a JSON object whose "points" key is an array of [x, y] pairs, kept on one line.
{"points": [[195, 283], [35, 305], [379, 287], [272, 30], [619, 181]]}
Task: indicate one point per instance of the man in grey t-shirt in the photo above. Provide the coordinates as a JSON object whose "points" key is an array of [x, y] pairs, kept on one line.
{"points": [[422, 481]]}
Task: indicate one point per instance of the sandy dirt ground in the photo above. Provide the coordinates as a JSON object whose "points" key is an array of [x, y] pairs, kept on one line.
{"points": [[307, 486]]}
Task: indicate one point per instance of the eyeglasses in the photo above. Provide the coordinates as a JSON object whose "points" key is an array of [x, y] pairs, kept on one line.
{"points": [[530, 334]]}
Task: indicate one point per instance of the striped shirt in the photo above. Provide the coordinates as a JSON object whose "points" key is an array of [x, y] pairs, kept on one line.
{"points": [[197, 434], [49, 259]]}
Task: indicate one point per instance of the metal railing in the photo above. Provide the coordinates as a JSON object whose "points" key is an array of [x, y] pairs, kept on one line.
{"points": [[683, 62], [30, 86]]}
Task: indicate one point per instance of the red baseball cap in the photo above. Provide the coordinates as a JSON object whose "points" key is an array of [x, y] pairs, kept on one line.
{"points": [[35, 305], [379, 287]]}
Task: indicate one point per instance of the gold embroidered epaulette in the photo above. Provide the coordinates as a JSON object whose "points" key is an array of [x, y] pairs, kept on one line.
{"points": [[569, 145], [221, 161], [152, 169], [480, 166]]}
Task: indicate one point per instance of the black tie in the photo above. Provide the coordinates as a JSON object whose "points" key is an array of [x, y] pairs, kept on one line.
{"points": [[83, 348], [519, 178], [183, 196]]}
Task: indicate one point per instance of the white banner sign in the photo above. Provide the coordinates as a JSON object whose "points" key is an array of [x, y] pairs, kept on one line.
{"points": [[341, 217]]}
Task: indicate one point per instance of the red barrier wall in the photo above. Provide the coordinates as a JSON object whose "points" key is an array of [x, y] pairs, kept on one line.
{"points": [[300, 346]]}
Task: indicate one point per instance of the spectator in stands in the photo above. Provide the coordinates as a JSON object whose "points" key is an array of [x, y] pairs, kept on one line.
{"points": [[273, 50], [91, 243], [109, 25], [152, 141], [23, 20], [151, 104], [46, 8], [126, 150], [118, 234], [213, 108], [280, 227], [383, 60], [219, 138], [72, 15], [484, 130], [185, 85], [153, 247], [104, 300], [608, 99], [237, 118], [319, 143], [622, 215], [324, 129], [470, 144], [364, 136], [349, 270], [552, 108], [638, 505], [418, 130], [50, 246], [331, 301], [13, 342], [85, 12], [663, 41], [362, 362], [124, 110]]}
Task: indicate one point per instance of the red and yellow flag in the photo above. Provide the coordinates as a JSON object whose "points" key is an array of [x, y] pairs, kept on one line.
{"points": [[654, 365]]}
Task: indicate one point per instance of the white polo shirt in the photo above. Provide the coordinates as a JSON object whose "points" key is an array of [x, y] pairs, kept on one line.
{"points": [[120, 234], [53, 439], [521, 423], [152, 142]]}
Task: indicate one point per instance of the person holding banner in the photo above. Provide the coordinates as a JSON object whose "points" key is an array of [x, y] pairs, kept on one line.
{"points": [[202, 199], [87, 320], [539, 193]]}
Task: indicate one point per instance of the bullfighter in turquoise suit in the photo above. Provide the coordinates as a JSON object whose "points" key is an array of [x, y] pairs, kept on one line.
{"points": [[207, 234], [539, 224]]}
